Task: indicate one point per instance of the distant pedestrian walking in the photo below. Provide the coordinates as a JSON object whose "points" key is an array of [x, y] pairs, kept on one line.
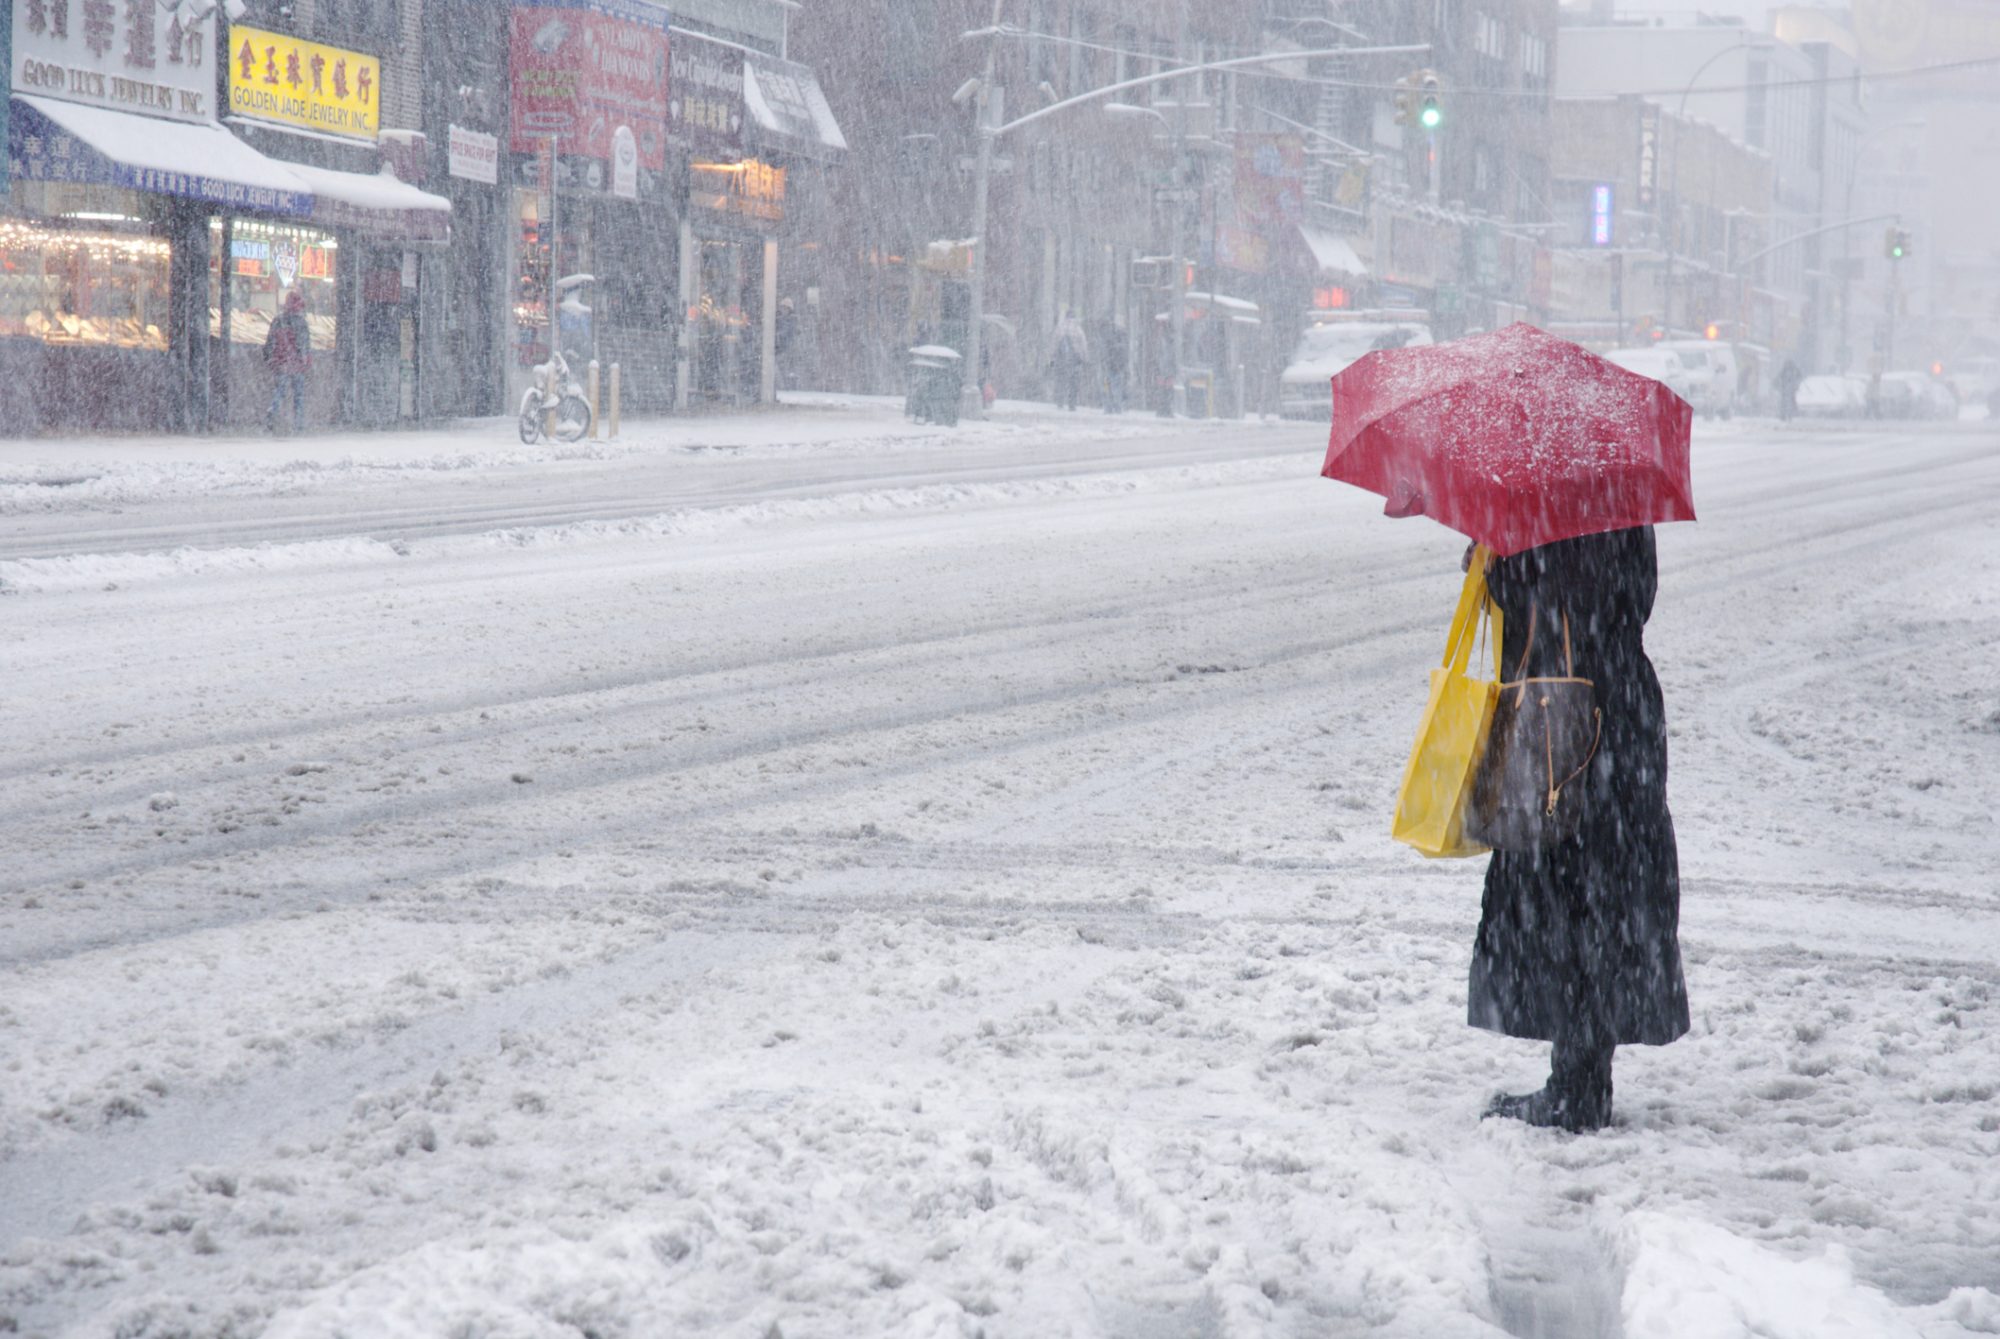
{"points": [[288, 352], [1114, 359], [1789, 378], [1163, 370], [1068, 361]]}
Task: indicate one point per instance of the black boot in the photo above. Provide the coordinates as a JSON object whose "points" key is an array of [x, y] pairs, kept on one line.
{"points": [[1576, 1098]]}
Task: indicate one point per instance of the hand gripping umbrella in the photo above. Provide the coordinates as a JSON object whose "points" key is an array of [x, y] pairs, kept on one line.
{"points": [[1513, 438]]}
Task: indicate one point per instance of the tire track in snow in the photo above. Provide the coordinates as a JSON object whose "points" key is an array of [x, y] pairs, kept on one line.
{"points": [[499, 796]]}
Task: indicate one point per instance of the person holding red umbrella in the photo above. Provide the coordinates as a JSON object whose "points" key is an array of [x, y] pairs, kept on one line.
{"points": [[1578, 940], [1560, 463]]}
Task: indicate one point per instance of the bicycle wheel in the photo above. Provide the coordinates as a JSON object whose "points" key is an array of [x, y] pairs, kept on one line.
{"points": [[531, 418], [572, 418]]}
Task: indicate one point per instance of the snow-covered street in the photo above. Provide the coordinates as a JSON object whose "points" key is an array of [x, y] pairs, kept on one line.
{"points": [[807, 875]]}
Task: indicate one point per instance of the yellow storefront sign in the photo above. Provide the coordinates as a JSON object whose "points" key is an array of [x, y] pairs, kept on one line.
{"points": [[283, 79]]}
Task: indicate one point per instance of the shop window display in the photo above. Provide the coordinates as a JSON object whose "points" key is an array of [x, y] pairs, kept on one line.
{"points": [[266, 262], [532, 275], [531, 282], [60, 286]]}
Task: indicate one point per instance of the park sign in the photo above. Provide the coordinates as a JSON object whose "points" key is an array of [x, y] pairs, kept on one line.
{"points": [[286, 81], [152, 59]]}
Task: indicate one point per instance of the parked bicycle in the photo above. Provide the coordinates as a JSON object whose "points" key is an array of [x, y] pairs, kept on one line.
{"points": [[554, 406]]}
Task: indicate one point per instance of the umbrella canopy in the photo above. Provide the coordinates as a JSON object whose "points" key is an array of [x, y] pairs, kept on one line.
{"points": [[1513, 438]]}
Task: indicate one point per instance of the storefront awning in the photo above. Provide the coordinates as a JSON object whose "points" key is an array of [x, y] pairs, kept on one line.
{"points": [[49, 140], [1333, 253], [788, 112], [378, 204]]}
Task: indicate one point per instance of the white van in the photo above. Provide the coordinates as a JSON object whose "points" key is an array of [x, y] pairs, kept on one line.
{"points": [[1305, 388], [1713, 367], [1662, 365]]}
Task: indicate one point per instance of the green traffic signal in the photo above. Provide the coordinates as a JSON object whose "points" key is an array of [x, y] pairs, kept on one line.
{"points": [[1431, 116]]}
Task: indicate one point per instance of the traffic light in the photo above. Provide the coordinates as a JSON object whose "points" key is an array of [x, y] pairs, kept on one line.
{"points": [[1430, 114], [1896, 244], [1406, 100], [1713, 331]]}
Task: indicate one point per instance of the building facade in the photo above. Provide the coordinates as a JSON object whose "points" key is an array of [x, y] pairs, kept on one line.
{"points": [[177, 177], [1799, 104]]}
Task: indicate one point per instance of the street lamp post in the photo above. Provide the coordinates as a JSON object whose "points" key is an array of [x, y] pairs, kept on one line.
{"points": [[1671, 233], [1177, 213], [973, 387]]}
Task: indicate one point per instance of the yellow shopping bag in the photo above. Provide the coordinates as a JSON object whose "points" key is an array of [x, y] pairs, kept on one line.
{"points": [[1430, 810]]}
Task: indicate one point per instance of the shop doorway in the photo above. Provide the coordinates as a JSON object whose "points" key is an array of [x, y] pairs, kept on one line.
{"points": [[727, 316]]}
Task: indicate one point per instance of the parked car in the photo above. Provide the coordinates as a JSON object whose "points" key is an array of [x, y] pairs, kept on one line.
{"points": [[1914, 395], [1975, 378], [1305, 387], [1662, 365], [1829, 395]]}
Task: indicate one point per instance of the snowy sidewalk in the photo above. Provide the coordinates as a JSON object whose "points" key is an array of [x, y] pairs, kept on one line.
{"points": [[802, 419]]}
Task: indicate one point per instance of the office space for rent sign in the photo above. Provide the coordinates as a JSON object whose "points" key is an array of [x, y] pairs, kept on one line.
{"points": [[284, 80]]}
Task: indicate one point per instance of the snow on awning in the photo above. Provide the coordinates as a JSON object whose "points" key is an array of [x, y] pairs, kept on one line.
{"points": [[1224, 301], [378, 204], [48, 140], [1333, 253], [787, 109]]}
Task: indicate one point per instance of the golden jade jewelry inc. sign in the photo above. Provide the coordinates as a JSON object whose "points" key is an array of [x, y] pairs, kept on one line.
{"points": [[290, 82]]}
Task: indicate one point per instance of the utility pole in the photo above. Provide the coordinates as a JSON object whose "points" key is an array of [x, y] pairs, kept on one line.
{"points": [[972, 392], [1177, 213]]}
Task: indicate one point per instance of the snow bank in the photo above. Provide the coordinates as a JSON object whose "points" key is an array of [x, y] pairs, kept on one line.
{"points": [[1693, 1280], [88, 571]]}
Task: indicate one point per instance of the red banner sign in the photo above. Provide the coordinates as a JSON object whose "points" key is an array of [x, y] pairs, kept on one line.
{"points": [[1269, 191], [583, 68]]}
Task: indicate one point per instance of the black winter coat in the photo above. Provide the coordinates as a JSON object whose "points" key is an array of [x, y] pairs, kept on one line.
{"points": [[1580, 939]]}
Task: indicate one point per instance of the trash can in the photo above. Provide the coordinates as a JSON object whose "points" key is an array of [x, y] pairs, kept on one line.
{"points": [[936, 378]]}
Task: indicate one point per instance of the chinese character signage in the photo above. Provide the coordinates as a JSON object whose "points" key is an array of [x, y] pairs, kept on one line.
{"points": [[582, 68], [289, 82], [145, 56], [706, 106]]}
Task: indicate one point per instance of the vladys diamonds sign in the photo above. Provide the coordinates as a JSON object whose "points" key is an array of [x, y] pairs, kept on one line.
{"points": [[146, 56], [583, 68]]}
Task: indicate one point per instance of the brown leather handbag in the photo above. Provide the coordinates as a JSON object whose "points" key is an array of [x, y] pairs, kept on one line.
{"points": [[1546, 729]]}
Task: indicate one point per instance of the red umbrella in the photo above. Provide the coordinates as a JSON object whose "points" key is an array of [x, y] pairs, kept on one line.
{"points": [[1513, 438]]}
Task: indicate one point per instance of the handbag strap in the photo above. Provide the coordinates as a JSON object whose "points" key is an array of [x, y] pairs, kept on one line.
{"points": [[1471, 604], [1569, 661]]}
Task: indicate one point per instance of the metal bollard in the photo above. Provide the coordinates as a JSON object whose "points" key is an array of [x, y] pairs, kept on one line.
{"points": [[614, 400], [592, 391]]}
